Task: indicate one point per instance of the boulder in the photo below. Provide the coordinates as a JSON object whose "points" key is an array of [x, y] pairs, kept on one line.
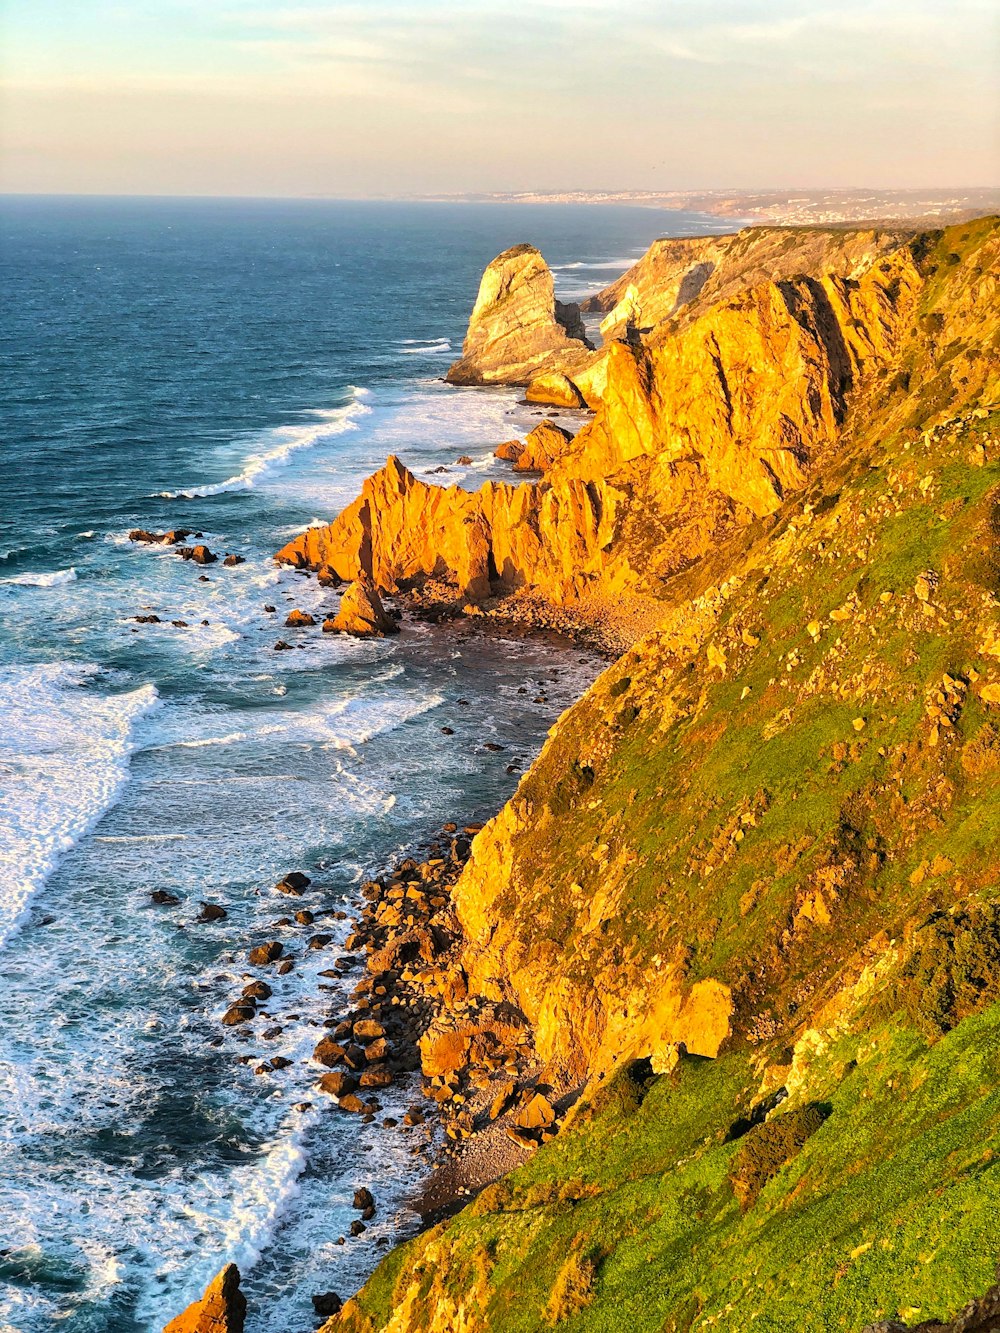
{"points": [[363, 1198], [554, 389], [262, 954], [543, 446], [327, 1303], [293, 883], [509, 452], [211, 912], [361, 614], [329, 1052], [535, 1114], [200, 554], [257, 990], [231, 561], [338, 1083], [299, 619], [367, 1029], [238, 1013], [518, 329], [222, 1309], [377, 1078], [376, 1050]]}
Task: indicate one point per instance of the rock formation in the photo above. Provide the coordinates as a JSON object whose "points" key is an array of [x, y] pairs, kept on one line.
{"points": [[361, 613], [703, 425], [518, 330], [222, 1309], [746, 897], [402, 531]]}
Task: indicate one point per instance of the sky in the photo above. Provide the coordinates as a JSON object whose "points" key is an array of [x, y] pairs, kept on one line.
{"points": [[400, 97]]}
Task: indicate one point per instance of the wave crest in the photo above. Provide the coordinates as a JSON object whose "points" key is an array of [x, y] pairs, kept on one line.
{"points": [[290, 439], [50, 580]]}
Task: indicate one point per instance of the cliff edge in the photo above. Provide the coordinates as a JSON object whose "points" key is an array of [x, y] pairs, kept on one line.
{"points": [[746, 899]]}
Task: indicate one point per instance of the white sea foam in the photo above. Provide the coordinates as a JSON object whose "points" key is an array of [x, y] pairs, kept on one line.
{"points": [[596, 264], [64, 756], [432, 347], [284, 441], [50, 580]]}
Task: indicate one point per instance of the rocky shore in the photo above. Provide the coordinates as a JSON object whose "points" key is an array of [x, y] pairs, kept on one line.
{"points": [[481, 1102], [739, 917]]}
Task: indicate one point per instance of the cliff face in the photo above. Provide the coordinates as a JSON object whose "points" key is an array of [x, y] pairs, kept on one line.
{"points": [[746, 898], [758, 386], [686, 276], [702, 426], [518, 330]]}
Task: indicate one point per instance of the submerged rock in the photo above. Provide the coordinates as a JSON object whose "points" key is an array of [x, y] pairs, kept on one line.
{"points": [[164, 899], [294, 883]]}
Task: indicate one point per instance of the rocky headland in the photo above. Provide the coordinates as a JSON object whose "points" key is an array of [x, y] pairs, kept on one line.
{"points": [[723, 976]]}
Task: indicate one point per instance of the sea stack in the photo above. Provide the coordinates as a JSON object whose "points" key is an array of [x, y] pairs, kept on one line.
{"points": [[222, 1309], [518, 329]]}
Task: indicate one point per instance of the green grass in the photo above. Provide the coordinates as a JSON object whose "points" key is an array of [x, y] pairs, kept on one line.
{"points": [[719, 804], [890, 1207]]}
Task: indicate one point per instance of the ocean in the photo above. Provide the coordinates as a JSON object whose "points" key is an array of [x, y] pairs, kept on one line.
{"points": [[237, 368]]}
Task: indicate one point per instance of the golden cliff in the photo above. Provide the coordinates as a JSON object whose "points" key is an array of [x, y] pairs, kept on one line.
{"points": [[703, 424], [745, 899]]}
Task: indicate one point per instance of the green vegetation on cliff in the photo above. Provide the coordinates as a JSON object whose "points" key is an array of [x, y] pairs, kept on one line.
{"points": [[769, 833]]}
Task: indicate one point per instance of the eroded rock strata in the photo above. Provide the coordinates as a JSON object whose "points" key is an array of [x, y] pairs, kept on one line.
{"points": [[747, 898], [742, 912]]}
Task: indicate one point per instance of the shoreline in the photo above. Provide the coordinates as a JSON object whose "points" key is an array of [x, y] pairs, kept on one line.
{"points": [[397, 939]]}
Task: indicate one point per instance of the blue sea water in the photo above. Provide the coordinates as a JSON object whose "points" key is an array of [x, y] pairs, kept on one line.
{"points": [[237, 368]]}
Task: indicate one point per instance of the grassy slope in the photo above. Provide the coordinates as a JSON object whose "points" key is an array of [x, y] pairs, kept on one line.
{"points": [[821, 803]]}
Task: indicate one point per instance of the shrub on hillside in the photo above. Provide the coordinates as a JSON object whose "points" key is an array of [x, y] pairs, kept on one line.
{"points": [[766, 1148]]}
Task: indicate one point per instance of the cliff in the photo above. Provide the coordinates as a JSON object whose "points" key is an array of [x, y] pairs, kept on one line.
{"points": [[704, 426], [518, 330], [746, 898]]}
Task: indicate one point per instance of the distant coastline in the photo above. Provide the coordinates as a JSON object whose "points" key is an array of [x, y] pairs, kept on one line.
{"points": [[796, 207]]}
